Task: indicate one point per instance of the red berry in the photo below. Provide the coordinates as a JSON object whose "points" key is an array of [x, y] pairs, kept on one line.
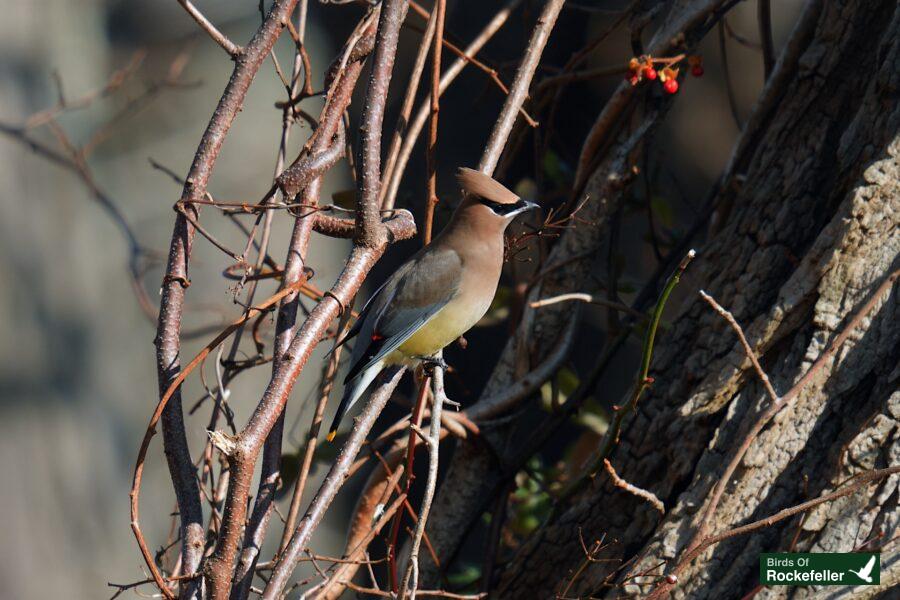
{"points": [[697, 71], [671, 86], [649, 73], [633, 79]]}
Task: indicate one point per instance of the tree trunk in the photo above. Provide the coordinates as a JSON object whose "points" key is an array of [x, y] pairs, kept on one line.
{"points": [[814, 197]]}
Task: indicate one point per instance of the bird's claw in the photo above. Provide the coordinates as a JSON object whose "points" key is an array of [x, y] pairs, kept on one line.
{"points": [[429, 363]]}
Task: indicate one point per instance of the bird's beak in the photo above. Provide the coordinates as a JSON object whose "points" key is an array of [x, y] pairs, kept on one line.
{"points": [[523, 206]]}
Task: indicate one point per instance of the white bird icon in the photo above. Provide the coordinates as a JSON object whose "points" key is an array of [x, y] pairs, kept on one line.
{"points": [[866, 572]]}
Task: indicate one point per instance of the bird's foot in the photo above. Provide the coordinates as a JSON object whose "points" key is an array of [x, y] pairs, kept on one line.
{"points": [[429, 363]]}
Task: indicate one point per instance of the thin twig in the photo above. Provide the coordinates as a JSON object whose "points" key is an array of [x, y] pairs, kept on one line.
{"points": [[393, 178], [641, 383], [309, 449], [860, 480], [168, 344], [423, 593], [729, 86], [284, 566], [415, 420], [519, 89], [409, 101], [218, 37], [590, 299], [633, 489], [700, 536], [411, 578], [294, 271], [169, 393], [760, 372], [431, 148], [370, 232], [491, 72]]}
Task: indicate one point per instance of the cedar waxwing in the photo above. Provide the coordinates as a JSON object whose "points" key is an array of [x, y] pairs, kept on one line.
{"points": [[439, 293]]}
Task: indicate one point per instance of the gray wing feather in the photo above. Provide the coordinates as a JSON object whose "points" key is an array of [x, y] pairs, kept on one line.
{"points": [[410, 298]]}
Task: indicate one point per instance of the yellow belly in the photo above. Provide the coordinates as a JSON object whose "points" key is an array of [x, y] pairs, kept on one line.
{"points": [[447, 325]]}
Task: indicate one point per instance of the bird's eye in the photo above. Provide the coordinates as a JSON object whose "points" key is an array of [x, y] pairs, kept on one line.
{"points": [[504, 210]]}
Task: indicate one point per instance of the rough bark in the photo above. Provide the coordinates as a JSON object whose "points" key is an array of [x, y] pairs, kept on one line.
{"points": [[475, 476], [812, 231]]}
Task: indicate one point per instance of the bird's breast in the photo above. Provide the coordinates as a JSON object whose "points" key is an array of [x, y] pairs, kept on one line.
{"points": [[457, 317]]}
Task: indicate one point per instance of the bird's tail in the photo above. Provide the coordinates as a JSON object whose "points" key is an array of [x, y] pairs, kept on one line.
{"points": [[353, 390]]}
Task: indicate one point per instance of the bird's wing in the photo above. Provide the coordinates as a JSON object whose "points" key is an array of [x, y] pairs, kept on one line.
{"points": [[410, 298], [360, 320]]}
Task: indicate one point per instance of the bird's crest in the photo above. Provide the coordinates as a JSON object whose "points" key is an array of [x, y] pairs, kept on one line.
{"points": [[478, 184]]}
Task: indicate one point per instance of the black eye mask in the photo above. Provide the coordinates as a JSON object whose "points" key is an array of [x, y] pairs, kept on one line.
{"points": [[504, 210]]}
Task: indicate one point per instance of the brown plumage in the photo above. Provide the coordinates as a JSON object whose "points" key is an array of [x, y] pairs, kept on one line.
{"points": [[439, 293], [478, 184]]}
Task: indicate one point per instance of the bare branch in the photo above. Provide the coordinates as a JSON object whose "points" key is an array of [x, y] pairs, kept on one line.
{"points": [[218, 37], [861, 480], [168, 344], [393, 177], [333, 482], [700, 537], [581, 297], [170, 393], [434, 98], [633, 489], [268, 411], [764, 13], [411, 578], [519, 88], [747, 349], [370, 232]]}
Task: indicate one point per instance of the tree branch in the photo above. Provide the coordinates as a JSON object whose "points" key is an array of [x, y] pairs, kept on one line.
{"points": [[700, 536], [168, 345], [370, 232], [518, 91], [394, 175], [285, 564], [411, 578], [218, 37]]}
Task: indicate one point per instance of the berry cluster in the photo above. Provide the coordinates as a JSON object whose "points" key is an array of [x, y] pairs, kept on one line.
{"points": [[664, 69]]}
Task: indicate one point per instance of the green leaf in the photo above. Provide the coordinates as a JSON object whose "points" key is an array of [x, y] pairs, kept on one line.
{"points": [[466, 576]]}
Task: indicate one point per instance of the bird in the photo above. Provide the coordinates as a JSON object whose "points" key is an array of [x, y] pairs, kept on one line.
{"points": [[866, 572], [438, 294]]}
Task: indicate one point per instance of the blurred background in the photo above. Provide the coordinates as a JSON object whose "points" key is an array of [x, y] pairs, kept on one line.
{"points": [[77, 375]]}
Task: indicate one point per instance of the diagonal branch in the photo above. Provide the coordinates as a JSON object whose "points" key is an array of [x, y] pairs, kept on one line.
{"points": [[518, 91], [249, 442], [284, 567], [701, 540], [218, 37], [168, 344], [399, 153], [859, 481], [748, 350], [303, 177]]}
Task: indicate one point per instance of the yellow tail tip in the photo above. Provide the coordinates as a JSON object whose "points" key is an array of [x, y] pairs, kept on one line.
{"points": [[331, 434]]}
